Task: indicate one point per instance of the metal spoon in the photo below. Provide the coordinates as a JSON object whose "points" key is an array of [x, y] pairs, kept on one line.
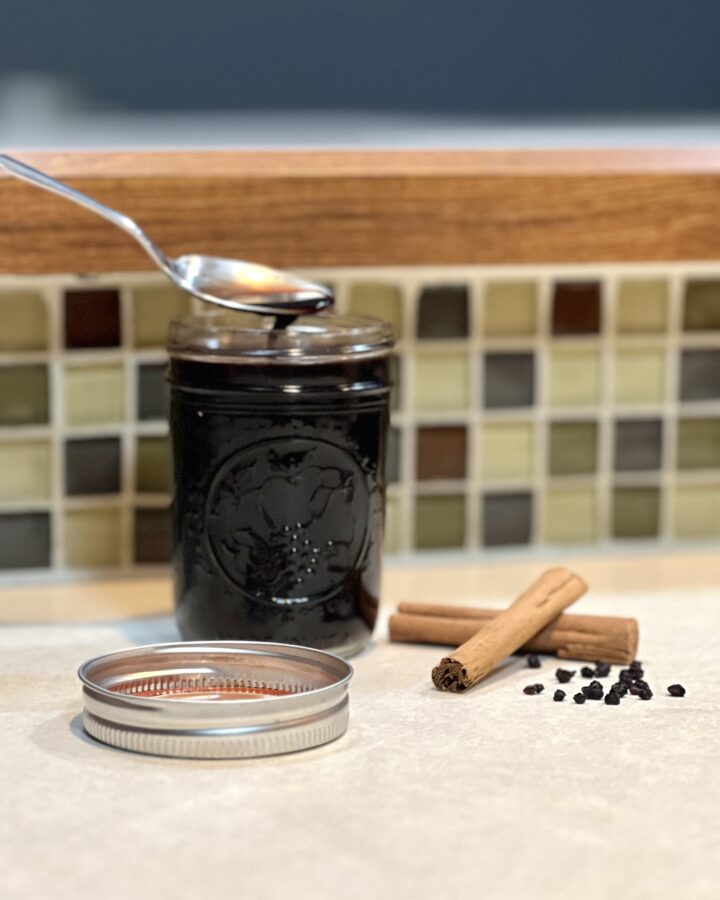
{"points": [[230, 283]]}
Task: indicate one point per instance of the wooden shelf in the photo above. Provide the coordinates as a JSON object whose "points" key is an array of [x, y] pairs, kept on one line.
{"points": [[350, 208]]}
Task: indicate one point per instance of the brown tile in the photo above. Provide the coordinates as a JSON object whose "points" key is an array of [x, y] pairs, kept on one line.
{"points": [[576, 307], [153, 535], [441, 453], [92, 318]]}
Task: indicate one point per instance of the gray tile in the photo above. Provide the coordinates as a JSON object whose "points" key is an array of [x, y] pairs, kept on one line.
{"points": [[153, 535], [509, 380], [443, 312], [507, 519], [153, 399], [92, 466], [638, 445], [700, 375], [25, 540]]}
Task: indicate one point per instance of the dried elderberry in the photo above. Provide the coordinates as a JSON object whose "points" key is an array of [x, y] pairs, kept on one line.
{"points": [[587, 672], [612, 699], [602, 669], [645, 693], [593, 691], [564, 675], [534, 689], [559, 696], [620, 688], [579, 698], [533, 662], [676, 690]]}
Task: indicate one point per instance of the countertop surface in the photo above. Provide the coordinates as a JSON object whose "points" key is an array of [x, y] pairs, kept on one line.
{"points": [[493, 794]]}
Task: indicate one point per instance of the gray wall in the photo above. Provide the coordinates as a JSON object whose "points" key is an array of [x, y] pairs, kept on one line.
{"points": [[486, 56]]}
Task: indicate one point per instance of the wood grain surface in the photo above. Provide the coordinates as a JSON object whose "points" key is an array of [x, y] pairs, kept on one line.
{"points": [[374, 208]]}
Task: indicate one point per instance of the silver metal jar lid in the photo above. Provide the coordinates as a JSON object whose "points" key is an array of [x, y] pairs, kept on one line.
{"points": [[216, 699]]}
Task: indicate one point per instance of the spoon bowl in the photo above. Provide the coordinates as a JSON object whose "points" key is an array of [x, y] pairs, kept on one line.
{"points": [[231, 283], [225, 282]]}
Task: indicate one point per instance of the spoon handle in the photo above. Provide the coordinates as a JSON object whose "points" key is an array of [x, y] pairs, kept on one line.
{"points": [[39, 179]]}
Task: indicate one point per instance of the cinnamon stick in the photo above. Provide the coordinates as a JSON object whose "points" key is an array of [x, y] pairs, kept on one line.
{"points": [[613, 639], [543, 601]]}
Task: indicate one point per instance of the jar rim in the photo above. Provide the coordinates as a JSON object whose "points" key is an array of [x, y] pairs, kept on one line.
{"points": [[227, 337]]}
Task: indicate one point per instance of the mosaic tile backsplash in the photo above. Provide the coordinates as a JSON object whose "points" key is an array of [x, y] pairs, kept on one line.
{"points": [[532, 406]]}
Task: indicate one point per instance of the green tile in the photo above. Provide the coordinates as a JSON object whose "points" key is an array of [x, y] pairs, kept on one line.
{"points": [[571, 516], [25, 471], [574, 377], [92, 537], [642, 306], [696, 511], [24, 320], [393, 525], [507, 451], [439, 522], [94, 395], [23, 395], [154, 307], [636, 512], [395, 382], [702, 305], [698, 444], [639, 376], [510, 308], [153, 466], [379, 300], [441, 381], [573, 448]]}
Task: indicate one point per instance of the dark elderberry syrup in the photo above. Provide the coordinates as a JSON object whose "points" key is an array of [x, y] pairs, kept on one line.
{"points": [[279, 440]]}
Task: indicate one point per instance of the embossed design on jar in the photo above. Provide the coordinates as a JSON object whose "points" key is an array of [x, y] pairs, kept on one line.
{"points": [[287, 519]]}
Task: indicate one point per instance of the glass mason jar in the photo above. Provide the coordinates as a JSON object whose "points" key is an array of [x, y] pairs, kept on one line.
{"points": [[279, 442]]}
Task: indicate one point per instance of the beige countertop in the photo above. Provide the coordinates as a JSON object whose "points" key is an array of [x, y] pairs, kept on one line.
{"points": [[493, 794]]}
